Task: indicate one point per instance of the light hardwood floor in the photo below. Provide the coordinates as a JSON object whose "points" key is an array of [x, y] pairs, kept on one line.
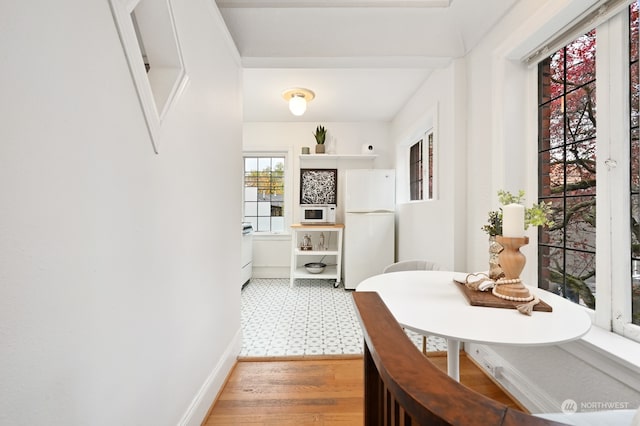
{"points": [[314, 391]]}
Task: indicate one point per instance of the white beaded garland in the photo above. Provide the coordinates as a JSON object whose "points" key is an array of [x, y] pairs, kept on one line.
{"points": [[511, 298], [511, 281]]}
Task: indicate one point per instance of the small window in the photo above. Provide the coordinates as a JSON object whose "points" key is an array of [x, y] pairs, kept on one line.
{"points": [[264, 193], [416, 175], [430, 176], [421, 170]]}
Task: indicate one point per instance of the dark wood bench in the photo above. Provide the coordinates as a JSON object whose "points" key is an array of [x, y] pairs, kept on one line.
{"points": [[402, 387]]}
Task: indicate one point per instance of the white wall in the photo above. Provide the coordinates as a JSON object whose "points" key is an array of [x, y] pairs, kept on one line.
{"points": [[119, 301], [272, 254], [434, 229]]}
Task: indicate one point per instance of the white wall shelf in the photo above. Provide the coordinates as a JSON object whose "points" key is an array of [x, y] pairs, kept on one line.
{"points": [[338, 156]]}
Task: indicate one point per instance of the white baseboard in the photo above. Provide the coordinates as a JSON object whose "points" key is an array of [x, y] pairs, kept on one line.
{"points": [[528, 393], [199, 407]]}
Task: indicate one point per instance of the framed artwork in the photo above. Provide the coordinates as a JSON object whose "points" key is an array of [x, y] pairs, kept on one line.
{"points": [[318, 186]]}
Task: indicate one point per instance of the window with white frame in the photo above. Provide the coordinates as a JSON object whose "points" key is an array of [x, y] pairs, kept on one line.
{"points": [[264, 192], [421, 168], [593, 260]]}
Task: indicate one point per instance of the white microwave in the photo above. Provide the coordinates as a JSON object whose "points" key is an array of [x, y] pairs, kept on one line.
{"points": [[318, 213]]}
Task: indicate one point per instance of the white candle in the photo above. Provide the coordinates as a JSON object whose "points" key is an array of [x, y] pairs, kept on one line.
{"points": [[513, 221]]}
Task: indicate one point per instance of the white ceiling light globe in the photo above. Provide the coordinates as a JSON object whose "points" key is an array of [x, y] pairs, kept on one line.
{"points": [[297, 105]]}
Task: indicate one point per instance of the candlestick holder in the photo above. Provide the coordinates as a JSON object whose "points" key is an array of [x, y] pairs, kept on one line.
{"points": [[512, 262]]}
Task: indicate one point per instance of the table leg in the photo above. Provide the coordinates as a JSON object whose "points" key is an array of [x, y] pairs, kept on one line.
{"points": [[453, 359]]}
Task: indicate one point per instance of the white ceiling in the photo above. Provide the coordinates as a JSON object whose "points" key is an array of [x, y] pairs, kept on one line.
{"points": [[362, 58]]}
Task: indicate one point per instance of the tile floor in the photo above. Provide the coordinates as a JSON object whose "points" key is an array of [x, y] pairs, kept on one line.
{"points": [[312, 318]]}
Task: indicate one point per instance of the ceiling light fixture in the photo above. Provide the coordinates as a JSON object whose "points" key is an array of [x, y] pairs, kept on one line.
{"points": [[298, 98]]}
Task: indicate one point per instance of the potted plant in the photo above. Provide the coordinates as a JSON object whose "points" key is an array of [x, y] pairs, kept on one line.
{"points": [[536, 215], [320, 134]]}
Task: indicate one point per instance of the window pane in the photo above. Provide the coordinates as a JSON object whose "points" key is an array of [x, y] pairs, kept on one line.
{"points": [[635, 301], [635, 258], [581, 60], [580, 278], [277, 224], [277, 187], [264, 164], [430, 166], [250, 209], [250, 194], [635, 226], [551, 77], [554, 235], [581, 113], [551, 165], [278, 164], [250, 164], [633, 31], [264, 209], [546, 84], [551, 276], [263, 188], [580, 223], [635, 85], [552, 124], [580, 168], [264, 224], [277, 209]]}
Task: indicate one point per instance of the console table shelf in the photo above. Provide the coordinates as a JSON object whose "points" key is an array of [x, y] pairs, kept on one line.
{"points": [[332, 256]]}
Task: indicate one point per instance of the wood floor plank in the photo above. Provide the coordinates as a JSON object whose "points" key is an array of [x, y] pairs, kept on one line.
{"points": [[323, 391]]}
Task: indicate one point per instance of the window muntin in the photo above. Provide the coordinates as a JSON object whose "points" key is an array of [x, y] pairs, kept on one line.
{"points": [[264, 181]]}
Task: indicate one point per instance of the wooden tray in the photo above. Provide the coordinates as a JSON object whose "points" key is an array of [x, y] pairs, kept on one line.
{"points": [[487, 299]]}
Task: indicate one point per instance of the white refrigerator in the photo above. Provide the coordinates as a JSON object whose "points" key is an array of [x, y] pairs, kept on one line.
{"points": [[369, 233]]}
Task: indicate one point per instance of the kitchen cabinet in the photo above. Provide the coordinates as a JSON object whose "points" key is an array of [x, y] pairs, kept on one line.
{"points": [[330, 254]]}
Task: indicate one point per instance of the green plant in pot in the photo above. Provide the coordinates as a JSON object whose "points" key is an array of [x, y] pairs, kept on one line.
{"points": [[536, 215], [320, 134]]}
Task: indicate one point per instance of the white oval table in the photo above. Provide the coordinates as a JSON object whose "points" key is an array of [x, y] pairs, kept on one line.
{"points": [[430, 303]]}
